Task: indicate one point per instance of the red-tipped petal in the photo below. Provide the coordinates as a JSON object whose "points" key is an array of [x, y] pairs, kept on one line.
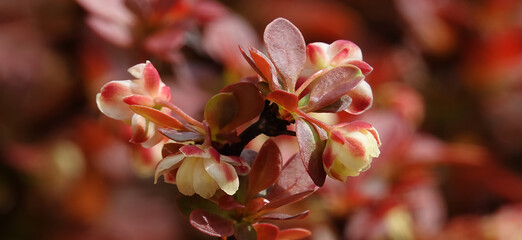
{"points": [[362, 98], [139, 100], [151, 78], [224, 174], [194, 151], [110, 100]]}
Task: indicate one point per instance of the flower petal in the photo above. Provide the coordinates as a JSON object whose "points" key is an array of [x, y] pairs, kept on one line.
{"points": [[204, 185], [362, 98], [110, 100], [224, 174], [137, 70], [185, 176], [167, 164]]}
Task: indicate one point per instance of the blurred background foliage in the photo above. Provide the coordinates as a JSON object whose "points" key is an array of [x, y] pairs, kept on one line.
{"points": [[447, 85]]}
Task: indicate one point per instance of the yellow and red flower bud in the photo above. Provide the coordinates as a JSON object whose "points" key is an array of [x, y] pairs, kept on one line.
{"points": [[115, 98], [350, 149], [201, 170]]}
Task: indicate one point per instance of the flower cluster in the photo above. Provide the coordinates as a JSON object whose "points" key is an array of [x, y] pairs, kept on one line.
{"points": [[229, 189]]}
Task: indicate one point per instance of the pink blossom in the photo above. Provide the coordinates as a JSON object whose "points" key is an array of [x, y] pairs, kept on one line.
{"points": [[116, 97]]}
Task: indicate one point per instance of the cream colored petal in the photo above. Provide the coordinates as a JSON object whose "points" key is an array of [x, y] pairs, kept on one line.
{"points": [[167, 164], [224, 174], [204, 185], [110, 100], [154, 136], [137, 70], [185, 176]]}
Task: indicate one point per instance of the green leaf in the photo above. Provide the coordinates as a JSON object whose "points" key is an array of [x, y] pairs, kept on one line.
{"points": [[220, 111]]}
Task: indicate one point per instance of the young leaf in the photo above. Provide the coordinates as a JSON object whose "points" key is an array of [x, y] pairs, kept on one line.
{"points": [[211, 224], [311, 147], [291, 181], [286, 47], [266, 169], [267, 68], [249, 102], [181, 136], [266, 231], [220, 111], [294, 233], [284, 99], [158, 117], [284, 216], [286, 200], [332, 85]]}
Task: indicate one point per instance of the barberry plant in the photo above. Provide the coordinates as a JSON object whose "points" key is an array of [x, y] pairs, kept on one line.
{"points": [[228, 189]]}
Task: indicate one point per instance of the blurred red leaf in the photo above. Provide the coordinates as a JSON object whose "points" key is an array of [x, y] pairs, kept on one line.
{"points": [[211, 224]]}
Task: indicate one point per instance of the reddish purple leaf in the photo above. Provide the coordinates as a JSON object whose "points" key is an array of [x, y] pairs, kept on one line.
{"points": [[332, 85], [311, 141], [294, 233], [284, 216], [245, 231], [220, 111], [227, 202], [266, 67], [158, 117], [182, 136], [284, 99], [249, 101], [255, 205], [266, 231], [292, 180], [211, 224], [265, 170], [286, 47], [286, 200]]}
